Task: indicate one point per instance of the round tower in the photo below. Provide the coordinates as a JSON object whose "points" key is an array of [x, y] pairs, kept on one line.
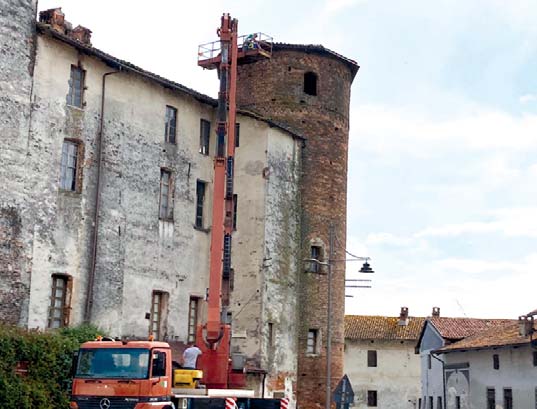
{"points": [[307, 88]]}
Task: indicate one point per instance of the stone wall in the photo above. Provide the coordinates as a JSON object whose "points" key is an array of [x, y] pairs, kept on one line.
{"points": [[17, 36], [275, 88]]}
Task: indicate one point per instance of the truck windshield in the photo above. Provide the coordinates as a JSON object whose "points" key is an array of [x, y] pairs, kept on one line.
{"points": [[132, 363]]}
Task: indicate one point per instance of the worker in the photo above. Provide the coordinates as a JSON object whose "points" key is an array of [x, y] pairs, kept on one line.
{"points": [[190, 356], [250, 42]]}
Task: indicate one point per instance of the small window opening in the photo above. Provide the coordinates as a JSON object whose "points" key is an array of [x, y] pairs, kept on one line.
{"points": [[496, 361], [372, 398], [508, 398], [166, 195], [70, 166], [59, 302], [315, 254], [372, 359], [237, 134], [76, 87], [200, 199], [193, 309], [170, 124], [310, 83], [491, 398], [157, 307], [311, 345], [235, 202], [205, 136]]}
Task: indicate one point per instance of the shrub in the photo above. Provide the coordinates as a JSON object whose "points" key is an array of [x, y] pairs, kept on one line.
{"points": [[49, 357]]}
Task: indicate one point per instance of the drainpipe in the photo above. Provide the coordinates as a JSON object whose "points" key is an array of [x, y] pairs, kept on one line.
{"points": [[443, 378], [94, 242]]}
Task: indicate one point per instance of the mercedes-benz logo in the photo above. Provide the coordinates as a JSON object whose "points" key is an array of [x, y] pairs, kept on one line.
{"points": [[105, 403]]}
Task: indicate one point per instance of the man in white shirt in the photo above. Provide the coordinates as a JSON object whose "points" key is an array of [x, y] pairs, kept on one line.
{"points": [[190, 356]]}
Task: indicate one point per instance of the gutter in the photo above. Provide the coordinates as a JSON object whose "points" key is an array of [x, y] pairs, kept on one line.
{"points": [[94, 242]]}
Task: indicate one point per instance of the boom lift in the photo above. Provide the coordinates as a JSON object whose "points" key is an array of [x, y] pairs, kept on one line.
{"points": [[213, 338]]}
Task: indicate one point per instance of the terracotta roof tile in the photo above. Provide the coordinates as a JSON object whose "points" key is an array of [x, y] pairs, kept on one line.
{"points": [[378, 327], [504, 335], [459, 328]]}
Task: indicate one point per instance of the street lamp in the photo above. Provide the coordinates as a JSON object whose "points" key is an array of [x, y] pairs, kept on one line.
{"points": [[366, 268]]}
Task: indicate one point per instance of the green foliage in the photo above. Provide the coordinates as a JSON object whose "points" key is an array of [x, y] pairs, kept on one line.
{"points": [[49, 357]]}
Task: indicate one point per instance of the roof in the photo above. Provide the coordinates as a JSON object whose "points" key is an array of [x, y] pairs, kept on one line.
{"points": [[123, 65], [125, 344], [499, 336], [459, 328], [319, 49], [382, 328]]}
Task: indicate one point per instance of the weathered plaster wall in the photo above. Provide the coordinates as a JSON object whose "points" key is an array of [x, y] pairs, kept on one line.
{"points": [[396, 377], [17, 37], [516, 371]]}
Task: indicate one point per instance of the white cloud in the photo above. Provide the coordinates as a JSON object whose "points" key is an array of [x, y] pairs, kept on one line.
{"points": [[335, 6], [528, 98]]}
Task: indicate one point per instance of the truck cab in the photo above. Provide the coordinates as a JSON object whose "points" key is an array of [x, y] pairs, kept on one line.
{"points": [[122, 374]]}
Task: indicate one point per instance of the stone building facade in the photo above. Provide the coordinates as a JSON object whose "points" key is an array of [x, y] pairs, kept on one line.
{"points": [[105, 210]]}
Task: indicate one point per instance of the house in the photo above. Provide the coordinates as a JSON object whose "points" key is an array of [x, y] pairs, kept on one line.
{"points": [[495, 368], [380, 360], [106, 197], [438, 332]]}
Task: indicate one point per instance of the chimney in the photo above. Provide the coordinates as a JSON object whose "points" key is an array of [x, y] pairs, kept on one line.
{"points": [[55, 18], [81, 34], [525, 325], [436, 311], [403, 317]]}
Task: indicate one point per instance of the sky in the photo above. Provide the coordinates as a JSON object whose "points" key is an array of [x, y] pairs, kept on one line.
{"points": [[442, 191]]}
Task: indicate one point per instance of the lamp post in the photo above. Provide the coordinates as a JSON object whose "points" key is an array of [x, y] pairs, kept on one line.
{"points": [[366, 268]]}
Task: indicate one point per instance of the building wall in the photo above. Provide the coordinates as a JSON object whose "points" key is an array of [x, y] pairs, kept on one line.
{"points": [[516, 372], [432, 383], [275, 88], [396, 377], [16, 233]]}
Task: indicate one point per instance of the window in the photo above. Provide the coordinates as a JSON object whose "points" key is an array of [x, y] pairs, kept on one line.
{"points": [[158, 367], [429, 361], [439, 402], [371, 359], [193, 308], [457, 402], [70, 165], [534, 358], [507, 398], [76, 87], [156, 313], [431, 402], [491, 398], [237, 135], [200, 198], [59, 307], [496, 361], [311, 345], [171, 124], [310, 83], [205, 136], [371, 398], [235, 212], [315, 254], [270, 334], [419, 403], [166, 195]]}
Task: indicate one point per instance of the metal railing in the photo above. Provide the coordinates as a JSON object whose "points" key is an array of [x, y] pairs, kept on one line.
{"points": [[247, 42]]}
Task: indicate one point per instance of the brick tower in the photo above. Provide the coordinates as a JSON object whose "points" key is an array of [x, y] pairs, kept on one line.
{"points": [[307, 87]]}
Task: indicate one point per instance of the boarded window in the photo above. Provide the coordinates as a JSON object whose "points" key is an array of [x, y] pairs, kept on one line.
{"points": [[311, 344], [235, 201], [170, 124], [193, 309], [166, 195], [507, 398], [157, 308], [371, 359], [491, 398], [70, 165], [59, 305], [200, 199], [205, 136], [310, 83], [496, 361], [237, 135], [76, 87], [315, 254], [372, 398]]}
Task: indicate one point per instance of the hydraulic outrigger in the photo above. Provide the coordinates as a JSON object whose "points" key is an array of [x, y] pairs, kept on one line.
{"points": [[213, 337]]}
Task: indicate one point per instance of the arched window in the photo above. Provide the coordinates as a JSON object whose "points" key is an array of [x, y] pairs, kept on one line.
{"points": [[310, 83]]}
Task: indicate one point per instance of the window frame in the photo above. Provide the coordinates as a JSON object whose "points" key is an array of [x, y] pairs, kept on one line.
{"points": [[72, 93], [166, 210], [170, 125], [199, 218], [205, 137], [70, 145], [372, 358], [193, 318], [65, 301]]}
